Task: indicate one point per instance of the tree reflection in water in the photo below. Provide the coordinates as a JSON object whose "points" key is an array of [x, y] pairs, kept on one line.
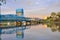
{"points": [[54, 26]]}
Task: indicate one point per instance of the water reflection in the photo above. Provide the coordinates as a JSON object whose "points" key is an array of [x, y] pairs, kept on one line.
{"points": [[54, 26], [19, 31]]}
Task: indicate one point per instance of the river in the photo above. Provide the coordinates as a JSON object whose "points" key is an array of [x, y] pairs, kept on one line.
{"points": [[34, 32]]}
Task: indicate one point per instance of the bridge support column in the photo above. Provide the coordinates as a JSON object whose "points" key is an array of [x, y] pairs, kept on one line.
{"points": [[24, 23], [28, 22], [0, 30], [18, 23]]}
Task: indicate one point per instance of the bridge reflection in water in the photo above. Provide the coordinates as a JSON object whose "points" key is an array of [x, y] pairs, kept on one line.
{"points": [[19, 31]]}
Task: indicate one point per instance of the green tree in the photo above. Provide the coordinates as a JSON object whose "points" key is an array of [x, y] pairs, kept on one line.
{"points": [[53, 14], [58, 14]]}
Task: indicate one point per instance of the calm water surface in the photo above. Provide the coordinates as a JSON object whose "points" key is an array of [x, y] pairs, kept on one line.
{"points": [[35, 32]]}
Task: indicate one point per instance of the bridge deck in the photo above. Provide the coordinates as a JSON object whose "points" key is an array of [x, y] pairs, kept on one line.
{"points": [[14, 19]]}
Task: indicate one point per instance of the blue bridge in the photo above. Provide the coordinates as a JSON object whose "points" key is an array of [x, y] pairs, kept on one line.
{"points": [[13, 18]]}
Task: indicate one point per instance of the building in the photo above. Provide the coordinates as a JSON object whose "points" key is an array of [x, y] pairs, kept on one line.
{"points": [[20, 12]]}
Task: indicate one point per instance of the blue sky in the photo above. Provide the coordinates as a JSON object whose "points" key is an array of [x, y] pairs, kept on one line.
{"points": [[32, 8]]}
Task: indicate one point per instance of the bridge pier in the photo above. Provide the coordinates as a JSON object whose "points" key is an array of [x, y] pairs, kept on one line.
{"points": [[18, 23], [28, 22], [0, 30], [23, 23]]}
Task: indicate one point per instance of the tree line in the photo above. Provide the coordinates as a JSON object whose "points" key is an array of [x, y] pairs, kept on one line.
{"points": [[54, 17]]}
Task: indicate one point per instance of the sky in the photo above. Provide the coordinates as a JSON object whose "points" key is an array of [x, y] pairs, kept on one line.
{"points": [[32, 8]]}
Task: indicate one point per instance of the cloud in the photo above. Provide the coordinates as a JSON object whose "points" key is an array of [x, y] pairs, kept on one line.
{"points": [[32, 8], [38, 12], [7, 10]]}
